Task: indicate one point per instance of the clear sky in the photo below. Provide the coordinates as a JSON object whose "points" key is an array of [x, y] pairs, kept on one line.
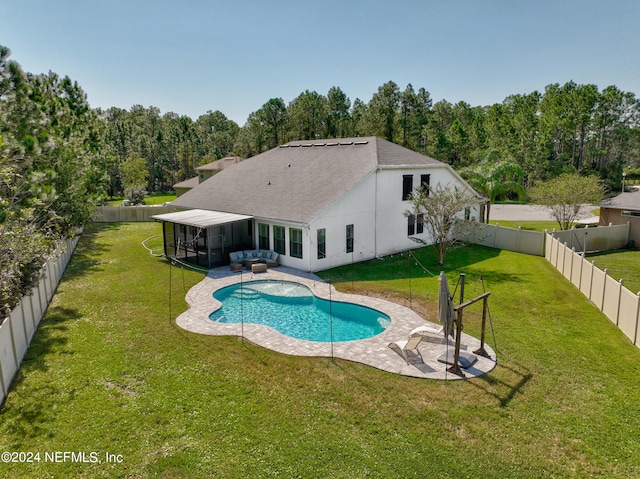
{"points": [[191, 56]]}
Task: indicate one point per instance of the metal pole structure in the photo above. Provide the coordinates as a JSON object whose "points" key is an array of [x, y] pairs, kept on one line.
{"points": [[330, 321], [455, 367], [410, 285], [481, 351], [241, 307]]}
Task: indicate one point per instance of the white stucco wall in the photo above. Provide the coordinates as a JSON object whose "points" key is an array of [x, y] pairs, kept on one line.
{"points": [[356, 207], [376, 209], [391, 222]]}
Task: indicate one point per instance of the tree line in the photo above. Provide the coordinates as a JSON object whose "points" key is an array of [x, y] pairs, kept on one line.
{"points": [[59, 157], [566, 128], [52, 171]]}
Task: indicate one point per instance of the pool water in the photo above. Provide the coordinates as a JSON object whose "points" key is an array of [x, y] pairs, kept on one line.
{"points": [[293, 310]]}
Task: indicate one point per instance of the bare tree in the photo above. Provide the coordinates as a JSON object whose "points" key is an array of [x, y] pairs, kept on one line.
{"points": [[445, 215]]}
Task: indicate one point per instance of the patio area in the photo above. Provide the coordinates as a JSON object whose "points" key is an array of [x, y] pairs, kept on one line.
{"points": [[374, 351]]}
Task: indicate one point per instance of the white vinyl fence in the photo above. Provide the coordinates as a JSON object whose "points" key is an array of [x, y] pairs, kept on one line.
{"points": [[598, 238], [611, 297], [17, 330], [117, 214], [510, 239]]}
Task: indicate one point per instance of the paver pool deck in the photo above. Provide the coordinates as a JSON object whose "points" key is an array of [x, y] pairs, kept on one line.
{"points": [[374, 351]]}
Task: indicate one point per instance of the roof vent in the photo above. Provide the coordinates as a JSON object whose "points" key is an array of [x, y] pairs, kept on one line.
{"points": [[306, 145], [332, 144], [345, 143], [319, 144], [284, 146], [361, 142]]}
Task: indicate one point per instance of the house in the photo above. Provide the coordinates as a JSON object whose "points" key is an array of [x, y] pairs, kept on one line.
{"points": [[319, 203], [623, 209], [204, 173]]}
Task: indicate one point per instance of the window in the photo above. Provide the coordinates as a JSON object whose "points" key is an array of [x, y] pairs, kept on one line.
{"points": [[278, 239], [295, 242], [411, 225], [420, 228], [407, 186], [425, 181], [322, 245], [630, 213], [349, 239], [263, 236]]}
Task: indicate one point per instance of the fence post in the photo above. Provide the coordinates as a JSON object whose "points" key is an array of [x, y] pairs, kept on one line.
{"points": [[621, 284], [581, 266], [635, 339], [593, 266], [573, 253], [604, 288], [13, 339], [30, 303], [4, 389]]}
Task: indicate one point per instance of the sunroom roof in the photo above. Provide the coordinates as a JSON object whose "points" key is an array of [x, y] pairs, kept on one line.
{"points": [[201, 218]]}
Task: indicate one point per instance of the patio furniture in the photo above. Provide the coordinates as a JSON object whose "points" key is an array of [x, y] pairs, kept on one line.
{"points": [[235, 267], [258, 267], [407, 345], [269, 257], [248, 263]]}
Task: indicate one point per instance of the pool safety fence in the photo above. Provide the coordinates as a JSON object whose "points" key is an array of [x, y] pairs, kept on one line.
{"points": [[18, 328]]}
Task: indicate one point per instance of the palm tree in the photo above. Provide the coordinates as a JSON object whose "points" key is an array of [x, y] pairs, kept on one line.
{"points": [[494, 179]]}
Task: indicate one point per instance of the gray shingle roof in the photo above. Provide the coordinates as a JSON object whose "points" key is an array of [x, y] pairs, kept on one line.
{"points": [[298, 180], [624, 201]]}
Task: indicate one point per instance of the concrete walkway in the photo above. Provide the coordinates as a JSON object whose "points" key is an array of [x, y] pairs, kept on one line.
{"points": [[373, 351]]}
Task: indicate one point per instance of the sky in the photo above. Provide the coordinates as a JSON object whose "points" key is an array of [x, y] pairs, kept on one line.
{"points": [[194, 56]]}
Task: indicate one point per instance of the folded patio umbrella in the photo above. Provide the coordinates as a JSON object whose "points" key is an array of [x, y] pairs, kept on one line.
{"points": [[446, 312]]}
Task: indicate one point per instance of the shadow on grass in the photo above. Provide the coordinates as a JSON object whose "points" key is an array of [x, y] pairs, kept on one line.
{"points": [[504, 390], [420, 264], [50, 338]]}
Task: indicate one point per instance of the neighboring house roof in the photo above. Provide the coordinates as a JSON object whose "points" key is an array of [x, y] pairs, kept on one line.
{"points": [[220, 164], [297, 181], [217, 165], [624, 201], [190, 183]]}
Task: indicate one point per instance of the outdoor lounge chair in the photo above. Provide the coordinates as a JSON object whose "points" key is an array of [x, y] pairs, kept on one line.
{"points": [[407, 345], [427, 330]]}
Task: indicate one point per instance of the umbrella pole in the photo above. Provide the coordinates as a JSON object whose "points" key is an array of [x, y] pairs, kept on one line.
{"points": [[481, 351], [455, 367]]}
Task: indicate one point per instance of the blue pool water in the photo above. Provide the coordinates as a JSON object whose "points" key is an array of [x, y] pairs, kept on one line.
{"points": [[293, 310]]}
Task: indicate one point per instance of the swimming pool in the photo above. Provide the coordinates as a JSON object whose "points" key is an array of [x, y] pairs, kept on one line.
{"points": [[293, 310]]}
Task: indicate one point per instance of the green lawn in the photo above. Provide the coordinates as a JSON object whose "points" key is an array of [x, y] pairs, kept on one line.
{"points": [[620, 264], [108, 372], [152, 199], [528, 225]]}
